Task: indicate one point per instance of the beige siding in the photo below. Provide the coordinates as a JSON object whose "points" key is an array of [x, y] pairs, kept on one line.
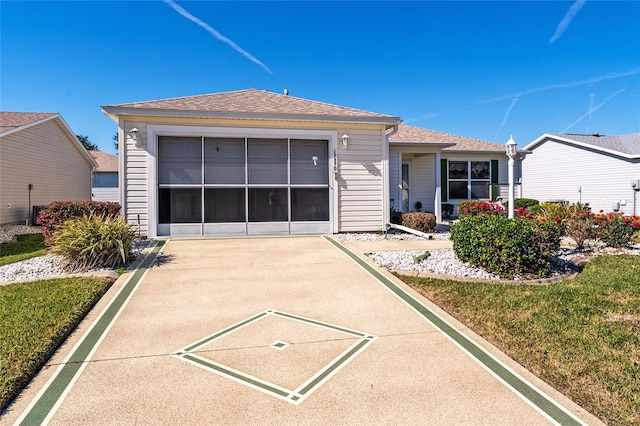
{"points": [[395, 176], [360, 182], [557, 170], [44, 156], [423, 174]]}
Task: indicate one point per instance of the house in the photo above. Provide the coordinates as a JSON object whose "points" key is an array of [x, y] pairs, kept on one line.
{"points": [[41, 161], [104, 181], [421, 161], [594, 169], [252, 162]]}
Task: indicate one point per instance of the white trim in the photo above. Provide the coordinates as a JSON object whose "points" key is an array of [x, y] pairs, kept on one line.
{"points": [[438, 197], [154, 130]]}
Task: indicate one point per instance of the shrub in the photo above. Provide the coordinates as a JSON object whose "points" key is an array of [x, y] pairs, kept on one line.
{"points": [[423, 222], [475, 208], [578, 222], [552, 211], [525, 203], [616, 229], [57, 213], [395, 216], [94, 242], [506, 247]]}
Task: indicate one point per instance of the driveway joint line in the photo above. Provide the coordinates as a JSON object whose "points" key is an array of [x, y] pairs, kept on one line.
{"points": [[47, 401], [543, 403]]}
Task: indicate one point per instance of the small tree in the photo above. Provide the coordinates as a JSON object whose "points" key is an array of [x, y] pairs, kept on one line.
{"points": [[84, 140]]}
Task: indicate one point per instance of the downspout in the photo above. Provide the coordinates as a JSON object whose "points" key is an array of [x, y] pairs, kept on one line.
{"points": [[386, 183]]}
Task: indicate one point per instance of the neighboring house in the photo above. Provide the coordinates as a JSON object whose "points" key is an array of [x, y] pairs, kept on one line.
{"points": [[424, 162], [41, 161], [594, 169], [252, 162], [104, 181]]}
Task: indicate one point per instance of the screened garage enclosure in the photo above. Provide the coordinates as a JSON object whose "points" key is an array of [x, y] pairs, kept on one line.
{"points": [[242, 186]]}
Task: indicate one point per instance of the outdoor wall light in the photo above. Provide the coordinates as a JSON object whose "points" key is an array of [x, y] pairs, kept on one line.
{"points": [[511, 152], [315, 160], [134, 133], [345, 140]]}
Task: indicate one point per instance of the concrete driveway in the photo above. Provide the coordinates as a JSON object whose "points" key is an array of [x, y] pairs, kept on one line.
{"points": [[296, 330]]}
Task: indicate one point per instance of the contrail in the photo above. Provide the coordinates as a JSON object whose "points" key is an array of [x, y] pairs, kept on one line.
{"points": [[568, 17], [430, 115], [562, 86], [591, 110], [216, 34], [506, 116]]}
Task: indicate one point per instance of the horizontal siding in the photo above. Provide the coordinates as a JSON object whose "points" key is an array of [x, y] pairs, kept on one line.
{"points": [[105, 194], [556, 171], [44, 156], [360, 181], [136, 177]]}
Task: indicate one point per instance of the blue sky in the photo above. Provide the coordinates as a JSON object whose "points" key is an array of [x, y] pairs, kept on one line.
{"points": [[479, 69]]}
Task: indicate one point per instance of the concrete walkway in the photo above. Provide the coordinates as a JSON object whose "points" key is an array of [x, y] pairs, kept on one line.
{"points": [[279, 331]]}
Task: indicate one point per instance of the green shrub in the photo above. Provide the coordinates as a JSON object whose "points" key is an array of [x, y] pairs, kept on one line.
{"points": [[553, 211], [525, 202], [94, 242], [506, 247], [395, 216], [423, 222], [57, 213], [476, 207]]}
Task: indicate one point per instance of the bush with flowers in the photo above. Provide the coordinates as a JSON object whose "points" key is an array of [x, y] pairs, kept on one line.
{"points": [[615, 229], [477, 207]]}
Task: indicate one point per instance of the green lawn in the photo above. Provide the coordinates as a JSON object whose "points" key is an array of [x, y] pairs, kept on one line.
{"points": [[580, 335], [26, 247], [35, 318]]}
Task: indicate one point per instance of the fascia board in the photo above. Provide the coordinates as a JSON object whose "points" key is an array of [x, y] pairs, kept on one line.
{"points": [[119, 111]]}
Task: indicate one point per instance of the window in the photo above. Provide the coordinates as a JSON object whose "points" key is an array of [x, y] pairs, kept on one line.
{"points": [[469, 179]]}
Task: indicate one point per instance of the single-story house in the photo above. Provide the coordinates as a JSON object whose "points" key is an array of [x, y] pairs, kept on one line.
{"points": [[594, 169], [104, 181], [41, 161], [253, 162]]}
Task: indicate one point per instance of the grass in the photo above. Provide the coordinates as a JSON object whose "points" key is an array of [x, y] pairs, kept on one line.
{"points": [[25, 247], [35, 318], [580, 335]]}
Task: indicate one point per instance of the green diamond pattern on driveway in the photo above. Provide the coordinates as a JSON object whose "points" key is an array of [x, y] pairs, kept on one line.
{"points": [[315, 352]]}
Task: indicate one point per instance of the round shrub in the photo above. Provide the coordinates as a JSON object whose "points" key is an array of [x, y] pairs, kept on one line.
{"points": [[423, 222], [525, 202], [476, 207], [506, 247], [94, 242]]}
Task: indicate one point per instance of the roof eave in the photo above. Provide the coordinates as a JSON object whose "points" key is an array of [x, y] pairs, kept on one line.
{"points": [[114, 111], [441, 145]]}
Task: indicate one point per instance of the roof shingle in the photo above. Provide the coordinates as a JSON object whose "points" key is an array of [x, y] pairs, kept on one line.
{"points": [[106, 162], [12, 120], [251, 102], [625, 144], [417, 135]]}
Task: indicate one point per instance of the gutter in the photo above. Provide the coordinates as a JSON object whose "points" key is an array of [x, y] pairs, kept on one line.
{"points": [[409, 231]]}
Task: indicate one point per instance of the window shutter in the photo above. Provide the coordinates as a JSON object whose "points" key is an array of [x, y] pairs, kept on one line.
{"points": [[443, 180], [495, 190]]}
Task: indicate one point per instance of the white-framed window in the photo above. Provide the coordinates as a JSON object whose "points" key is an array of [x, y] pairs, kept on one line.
{"points": [[469, 180]]}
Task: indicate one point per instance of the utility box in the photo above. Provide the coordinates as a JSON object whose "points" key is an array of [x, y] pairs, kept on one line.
{"points": [[635, 184]]}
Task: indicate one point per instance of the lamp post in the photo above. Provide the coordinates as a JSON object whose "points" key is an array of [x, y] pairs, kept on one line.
{"points": [[511, 152]]}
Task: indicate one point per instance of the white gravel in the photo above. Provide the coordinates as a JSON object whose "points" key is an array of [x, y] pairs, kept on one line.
{"points": [[440, 261]]}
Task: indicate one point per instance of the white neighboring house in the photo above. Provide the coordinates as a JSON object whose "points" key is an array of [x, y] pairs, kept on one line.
{"points": [[594, 169], [104, 180]]}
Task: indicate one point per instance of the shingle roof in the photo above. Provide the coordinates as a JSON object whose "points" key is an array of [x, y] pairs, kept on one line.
{"points": [[624, 144], [106, 162], [11, 120], [417, 135], [249, 103]]}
